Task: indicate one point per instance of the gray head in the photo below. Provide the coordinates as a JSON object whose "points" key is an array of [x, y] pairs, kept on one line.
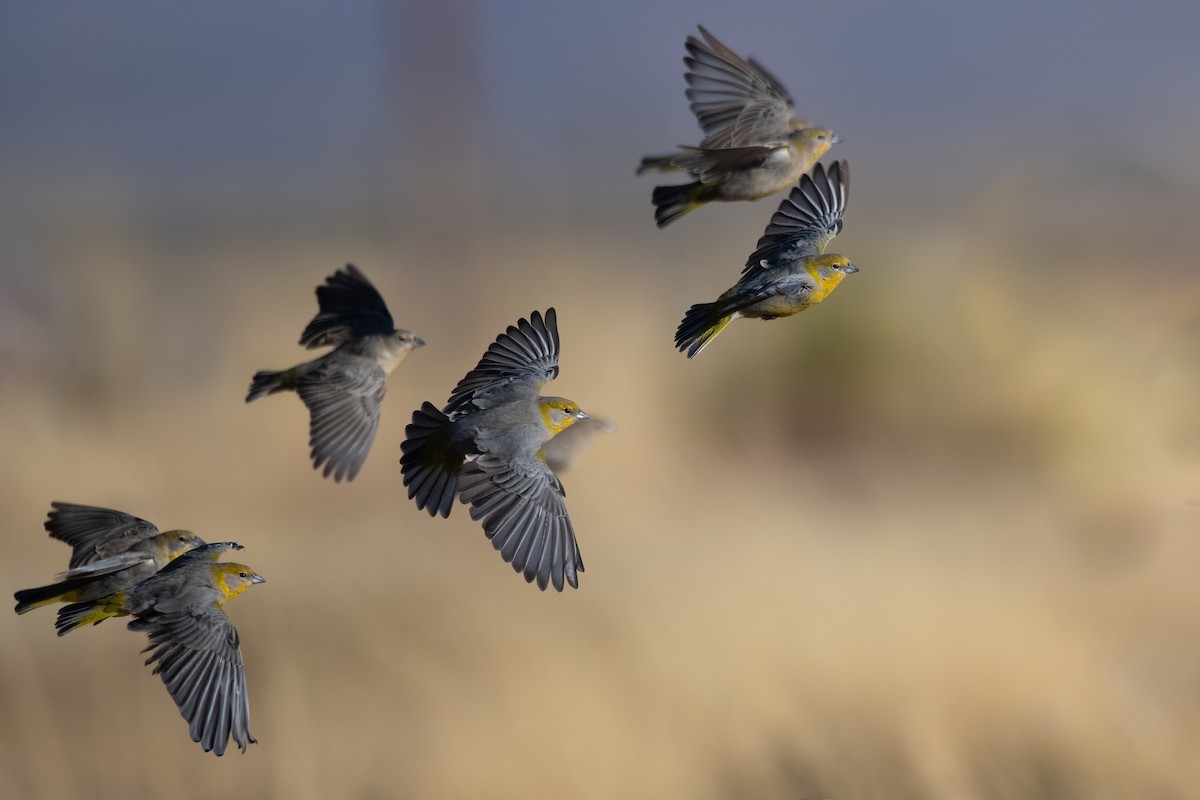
{"points": [[406, 339]]}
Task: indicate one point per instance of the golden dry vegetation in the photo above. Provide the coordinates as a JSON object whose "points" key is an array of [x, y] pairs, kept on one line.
{"points": [[932, 539]]}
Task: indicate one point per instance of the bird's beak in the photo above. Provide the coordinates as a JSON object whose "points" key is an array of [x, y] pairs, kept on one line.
{"points": [[418, 341], [835, 140], [849, 268], [256, 578], [581, 415]]}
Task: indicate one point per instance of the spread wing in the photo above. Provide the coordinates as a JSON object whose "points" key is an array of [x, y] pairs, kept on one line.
{"points": [[527, 351], [736, 102], [520, 503], [807, 219], [198, 656], [350, 307], [343, 402], [95, 533]]}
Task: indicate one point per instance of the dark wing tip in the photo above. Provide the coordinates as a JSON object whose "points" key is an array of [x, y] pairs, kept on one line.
{"points": [[349, 306]]}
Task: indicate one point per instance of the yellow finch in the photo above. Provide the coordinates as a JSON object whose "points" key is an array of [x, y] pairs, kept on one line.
{"points": [[344, 388], [111, 551], [193, 645], [789, 270], [486, 445], [752, 146]]}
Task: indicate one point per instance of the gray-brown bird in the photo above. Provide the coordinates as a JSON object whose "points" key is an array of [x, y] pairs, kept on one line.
{"points": [[344, 388], [486, 446], [752, 146], [193, 645], [110, 552]]}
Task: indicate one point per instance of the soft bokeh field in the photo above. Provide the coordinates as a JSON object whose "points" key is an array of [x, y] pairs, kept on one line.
{"points": [[935, 539]]}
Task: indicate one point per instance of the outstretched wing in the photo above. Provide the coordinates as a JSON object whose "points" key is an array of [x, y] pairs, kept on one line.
{"points": [[527, 351], [520, 503], [198, 656], [350, 307], [807, 219], [736, 102], [343, 404], [95, 533]]}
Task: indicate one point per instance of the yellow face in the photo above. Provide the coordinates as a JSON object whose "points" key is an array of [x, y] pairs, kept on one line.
{"points": [[827, 272], [558, 414], [171, 545], [815, 141], [232, 579]]}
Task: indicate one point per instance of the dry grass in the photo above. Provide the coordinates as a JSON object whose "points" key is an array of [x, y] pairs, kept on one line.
{"points": [[933, 539]]}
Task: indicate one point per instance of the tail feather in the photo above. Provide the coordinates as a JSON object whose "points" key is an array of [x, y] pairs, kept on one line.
{"points": [[700, 325], [658, 164], [672, 202], [269, 382], [429, 462], [29, 599], [91, 613]]}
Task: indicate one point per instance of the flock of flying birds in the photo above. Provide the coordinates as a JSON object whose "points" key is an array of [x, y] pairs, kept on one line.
{"points": [[493, 444]]}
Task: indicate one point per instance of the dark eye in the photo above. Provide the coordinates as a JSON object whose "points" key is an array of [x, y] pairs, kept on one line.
{"points": [[243, 575]]}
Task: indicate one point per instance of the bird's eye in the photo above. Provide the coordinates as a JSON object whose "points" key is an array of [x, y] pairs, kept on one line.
{"points": [[243, 575]]}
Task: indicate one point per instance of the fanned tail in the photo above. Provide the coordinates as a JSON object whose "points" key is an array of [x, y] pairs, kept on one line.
{"points": [[429, 463], [700, 325], [672, 202]]}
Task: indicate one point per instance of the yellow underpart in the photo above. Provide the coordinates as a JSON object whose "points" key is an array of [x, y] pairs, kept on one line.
{"points": [[711, 333], [115, 605], [823, 286]]}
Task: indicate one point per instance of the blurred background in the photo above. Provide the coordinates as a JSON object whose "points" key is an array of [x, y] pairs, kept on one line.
{"points": [[935, 539]]}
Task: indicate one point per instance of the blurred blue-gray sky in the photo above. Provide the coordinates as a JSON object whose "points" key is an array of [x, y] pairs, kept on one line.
{"points": [[175, 99]]}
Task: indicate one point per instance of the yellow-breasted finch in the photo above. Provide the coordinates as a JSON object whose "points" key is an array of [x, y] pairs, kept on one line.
{"points": [[344, 388], [193, 645], [789, 271], [110, 551], [752, 146], [486, 446]]}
